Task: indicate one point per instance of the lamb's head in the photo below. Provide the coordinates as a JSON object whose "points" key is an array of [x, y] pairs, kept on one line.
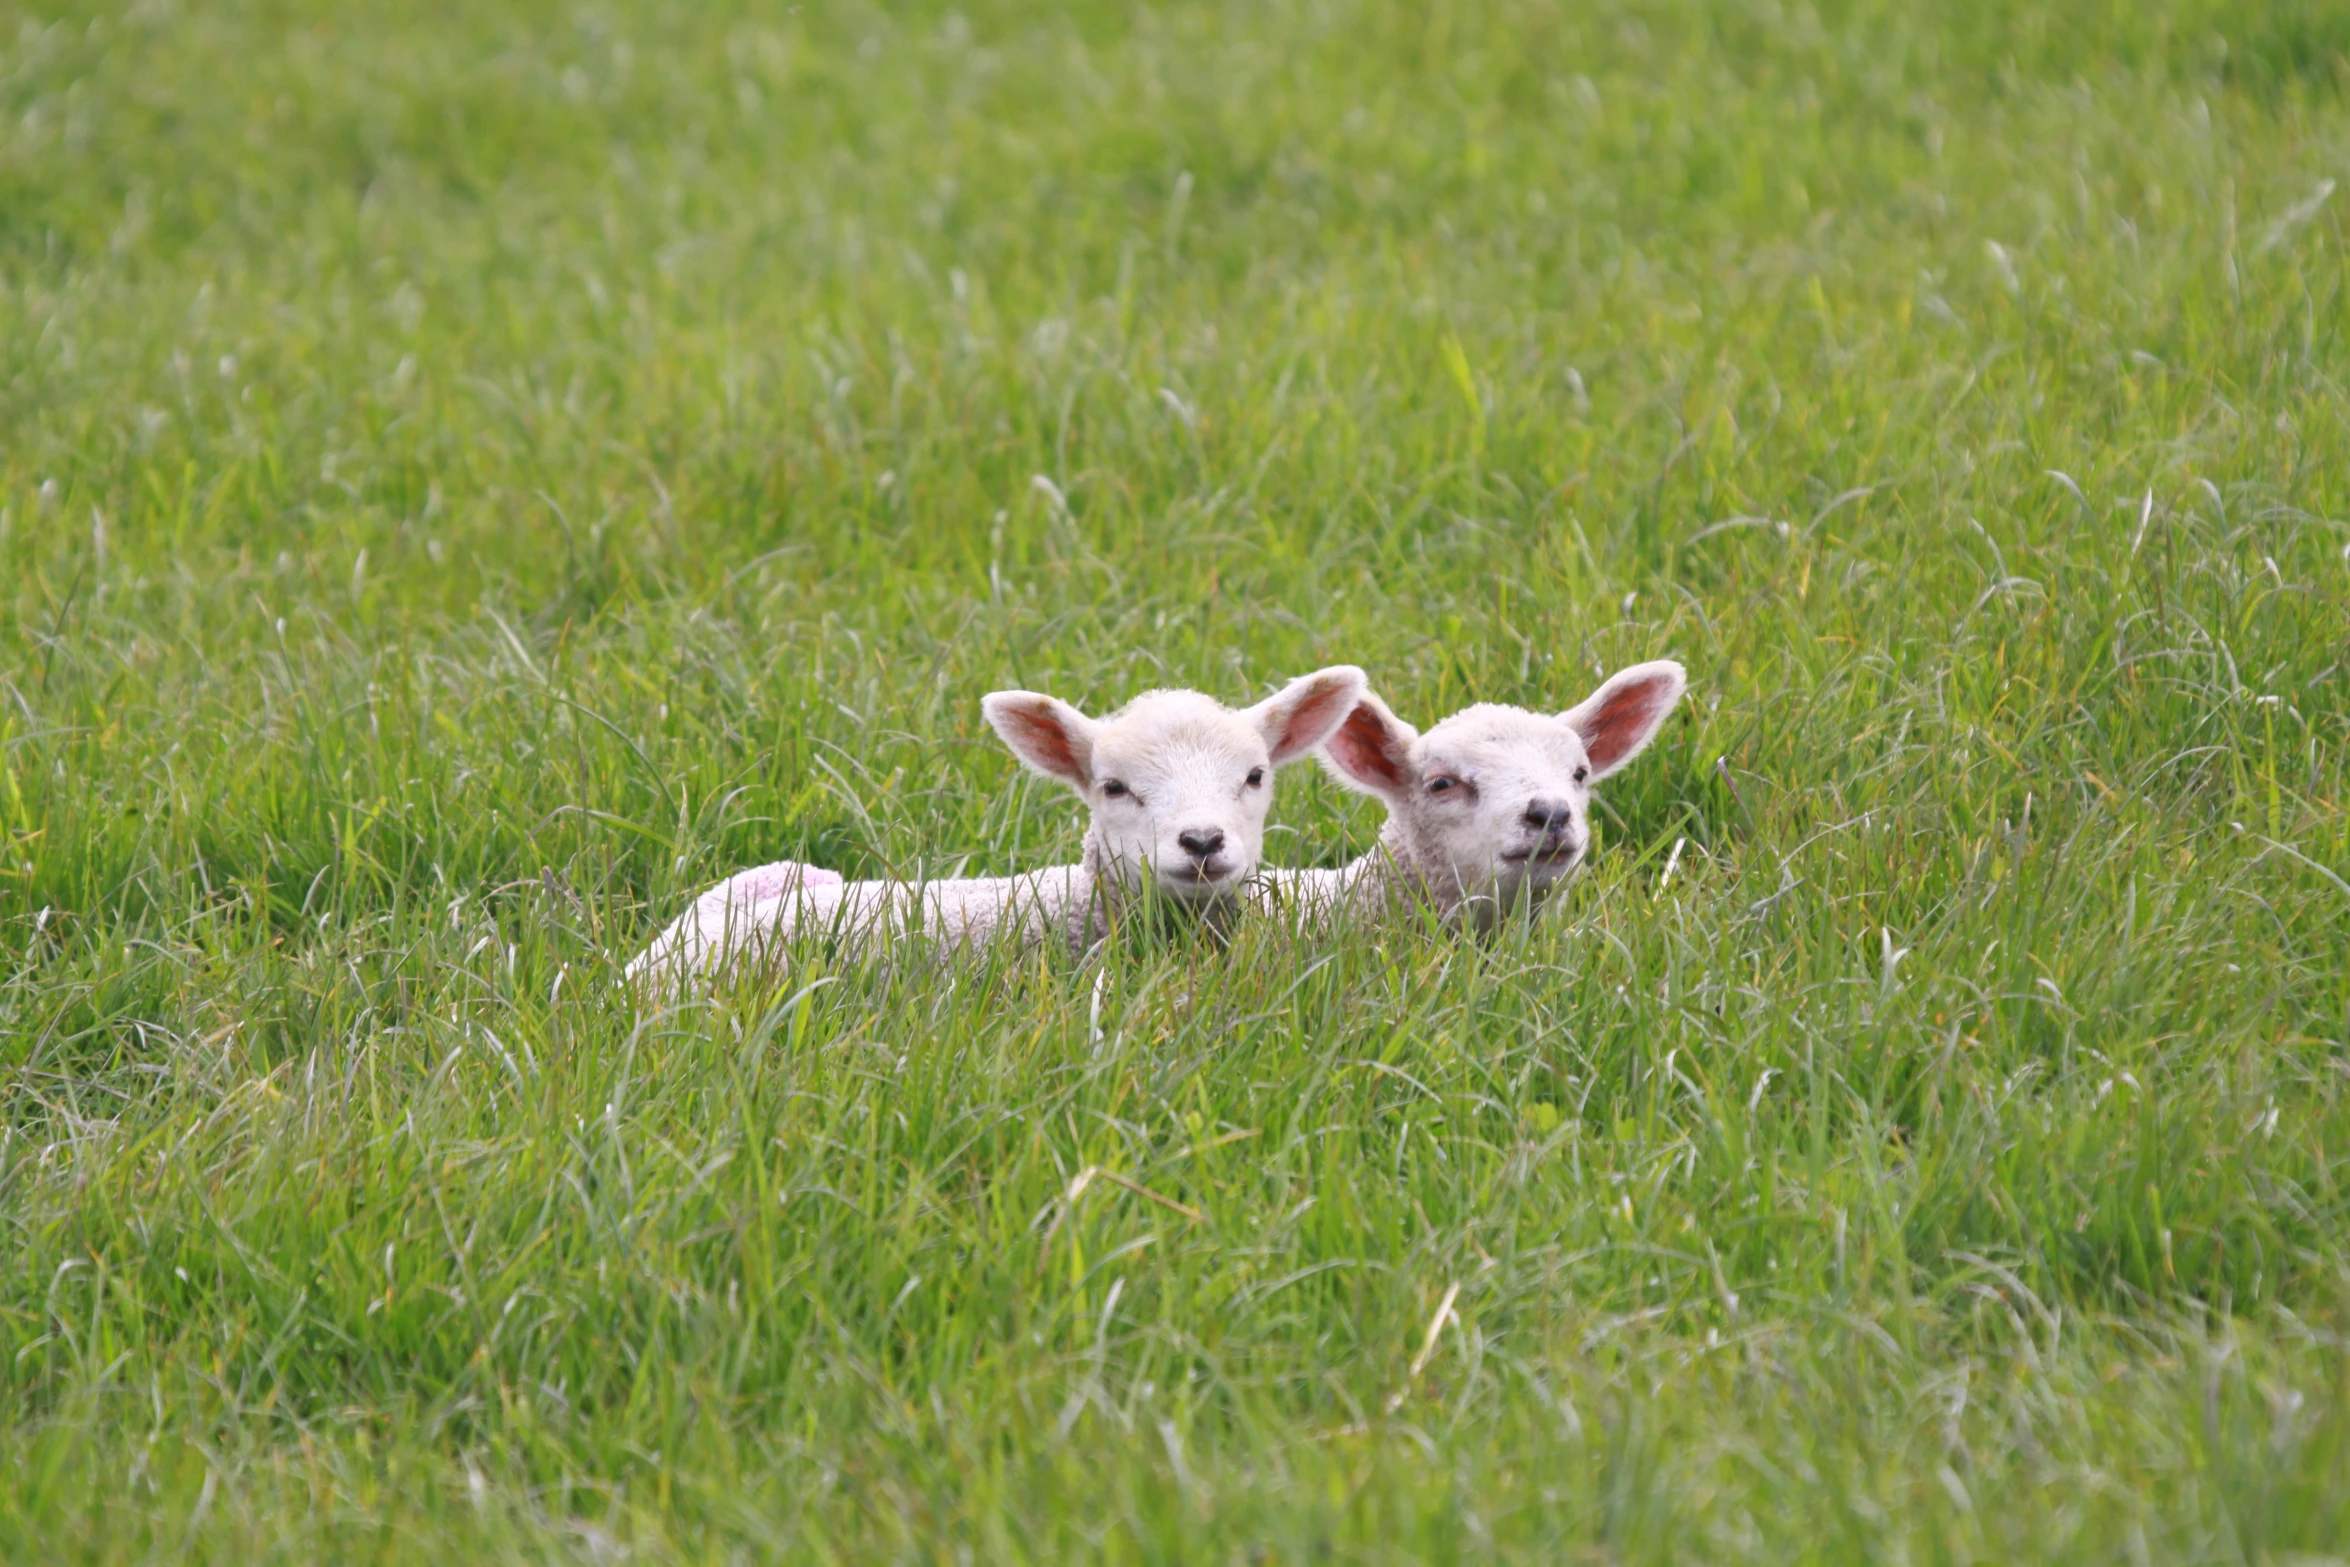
{"points": [[1177, 782], [1492, 807]]}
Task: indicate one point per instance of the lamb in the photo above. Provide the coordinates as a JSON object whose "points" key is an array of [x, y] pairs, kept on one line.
{"points": [[1489, 812], [1177, 785]]}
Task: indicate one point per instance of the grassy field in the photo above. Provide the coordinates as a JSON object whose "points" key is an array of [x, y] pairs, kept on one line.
{"points": [[471, 474]]}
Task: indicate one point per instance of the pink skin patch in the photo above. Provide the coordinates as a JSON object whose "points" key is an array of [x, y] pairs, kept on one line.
{"points": [[764, 882]]}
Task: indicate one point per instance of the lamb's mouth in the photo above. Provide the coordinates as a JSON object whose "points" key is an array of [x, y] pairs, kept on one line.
{"points": [[1556, 854], [1198, 876]]}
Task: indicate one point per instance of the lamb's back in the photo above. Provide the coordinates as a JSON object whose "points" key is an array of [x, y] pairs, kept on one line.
{"points": [[751, 913]]}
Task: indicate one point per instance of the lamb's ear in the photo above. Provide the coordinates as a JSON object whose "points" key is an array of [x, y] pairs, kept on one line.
{"points": [[1372, 751], [1046, 733], [1301, 715], [1619, 719]]}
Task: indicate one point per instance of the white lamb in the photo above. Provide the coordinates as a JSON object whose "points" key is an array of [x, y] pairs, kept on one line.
{"points": [[1178, 786], [1490, 810]]}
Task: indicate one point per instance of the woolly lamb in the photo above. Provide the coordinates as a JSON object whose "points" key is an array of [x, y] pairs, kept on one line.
{"points": [[1490, 810], [1177, 784]]}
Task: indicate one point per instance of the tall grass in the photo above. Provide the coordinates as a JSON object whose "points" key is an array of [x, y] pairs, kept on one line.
{"points": [[469, 476]]}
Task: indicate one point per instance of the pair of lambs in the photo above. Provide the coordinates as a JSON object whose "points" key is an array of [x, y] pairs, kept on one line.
{"points": [[1487, 813]]}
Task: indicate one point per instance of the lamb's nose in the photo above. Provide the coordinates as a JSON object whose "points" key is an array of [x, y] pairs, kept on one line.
{"points": [[1549, 816], [1200, 846]]}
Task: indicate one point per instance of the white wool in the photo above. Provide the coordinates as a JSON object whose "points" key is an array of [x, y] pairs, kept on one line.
{"points": [[722, 929]]}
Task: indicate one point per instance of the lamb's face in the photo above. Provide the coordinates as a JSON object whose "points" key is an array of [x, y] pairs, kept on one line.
{"points": [[1180, 785], [1177, 783], [1493, 806], [1500, 804]]}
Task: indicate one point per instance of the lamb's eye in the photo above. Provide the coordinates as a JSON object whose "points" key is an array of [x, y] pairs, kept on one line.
{"points": [[1256, 776], [1114, 789], [1443, 785], [1582, 773]]}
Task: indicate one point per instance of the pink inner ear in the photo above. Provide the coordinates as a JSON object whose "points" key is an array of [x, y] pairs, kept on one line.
{"points": [[1305, 725], [1044, 741], [1625, 721], [1310, 717], [1363, 750]]}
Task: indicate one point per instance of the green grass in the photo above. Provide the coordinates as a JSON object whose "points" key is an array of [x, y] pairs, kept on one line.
{"points": [[470, 476]]}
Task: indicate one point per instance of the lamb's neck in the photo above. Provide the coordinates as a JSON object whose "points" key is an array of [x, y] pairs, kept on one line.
{"points": [[1097, 896], [1103, 887], [1392, 874], [1387, 873]]}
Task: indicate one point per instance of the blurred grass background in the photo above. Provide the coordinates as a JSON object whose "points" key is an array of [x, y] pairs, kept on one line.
{"points": [[470, 475]]}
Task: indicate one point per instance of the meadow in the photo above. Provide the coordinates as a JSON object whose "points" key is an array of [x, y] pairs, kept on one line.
{"points": [[470, 475]]}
